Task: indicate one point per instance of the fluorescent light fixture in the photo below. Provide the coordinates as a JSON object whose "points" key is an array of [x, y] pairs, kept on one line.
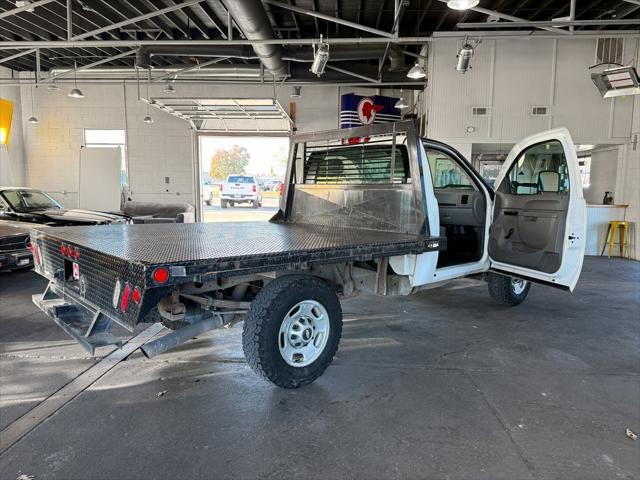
{"points": [[617, 82], [33, 120], [320, 57], [462, 4], [417, 72], [76, 93], [147, 119]]}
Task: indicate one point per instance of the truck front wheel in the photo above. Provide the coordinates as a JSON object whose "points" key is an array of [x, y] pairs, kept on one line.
{"points": [[224, 203], [292, 330], [508, 291]]}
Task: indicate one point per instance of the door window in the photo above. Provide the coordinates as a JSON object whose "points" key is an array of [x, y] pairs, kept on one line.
{"points": [[445, 172], [541, 168]]}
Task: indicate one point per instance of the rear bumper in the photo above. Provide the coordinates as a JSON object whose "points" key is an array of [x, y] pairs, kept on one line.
{"points": [[239, 198], [18, 259]]}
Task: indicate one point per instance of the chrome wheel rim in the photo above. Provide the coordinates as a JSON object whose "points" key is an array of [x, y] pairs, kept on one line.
{"points": [[303, 334], [518, 285]]}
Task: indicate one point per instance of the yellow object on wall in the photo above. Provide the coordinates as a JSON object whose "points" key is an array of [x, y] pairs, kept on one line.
{"points": [[6, 112]]}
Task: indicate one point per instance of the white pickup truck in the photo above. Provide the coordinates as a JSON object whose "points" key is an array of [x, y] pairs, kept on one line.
{"points": [[240, 189], [391, 215]]}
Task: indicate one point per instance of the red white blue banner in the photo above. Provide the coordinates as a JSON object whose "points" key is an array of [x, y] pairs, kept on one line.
{"points": [[357, 110]]}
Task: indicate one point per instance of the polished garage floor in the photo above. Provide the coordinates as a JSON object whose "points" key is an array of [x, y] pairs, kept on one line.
{"points": [[443, 384]]}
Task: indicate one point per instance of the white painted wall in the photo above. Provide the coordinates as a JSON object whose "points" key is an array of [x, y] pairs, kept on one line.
{"points": [[156, 151], [604, 165], [511, 76], [12, 158]]}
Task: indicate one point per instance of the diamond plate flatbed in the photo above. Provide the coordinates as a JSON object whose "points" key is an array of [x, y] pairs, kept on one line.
{"points": [[197, 252]]}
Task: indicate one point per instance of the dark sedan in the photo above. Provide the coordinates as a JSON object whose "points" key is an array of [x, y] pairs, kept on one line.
{"points": [[15, 250], [35, 206]]}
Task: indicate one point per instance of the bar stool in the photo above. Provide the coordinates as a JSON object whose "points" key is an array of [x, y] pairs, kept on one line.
{"points": [[610, 238]]}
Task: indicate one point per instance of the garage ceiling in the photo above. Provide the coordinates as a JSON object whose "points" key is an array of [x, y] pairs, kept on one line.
{"points": [[208, 20], [227, 115]]}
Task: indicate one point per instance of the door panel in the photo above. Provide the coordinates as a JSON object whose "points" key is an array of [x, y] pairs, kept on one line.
{"points": [[539, 212]]}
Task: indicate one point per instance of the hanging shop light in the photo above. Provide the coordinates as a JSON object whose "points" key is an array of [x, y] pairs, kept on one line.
{"points": [[169, 88], [53, 87], [401, 104], [75, 92], [320, 57], [147, 118], [417, 72], [32, 119], [462, 4], [296, 92]]}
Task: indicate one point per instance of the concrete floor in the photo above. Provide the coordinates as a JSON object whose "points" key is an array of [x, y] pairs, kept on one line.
{"points": [[443, 384]]}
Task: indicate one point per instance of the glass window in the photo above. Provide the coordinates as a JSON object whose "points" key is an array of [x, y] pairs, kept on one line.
{"points": [[109, 139], [359, 164], [445, 172], [585, 171], [541, 168], [239, 179], [23, 201]]}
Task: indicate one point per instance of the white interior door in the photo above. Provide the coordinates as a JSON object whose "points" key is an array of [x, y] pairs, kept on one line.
{"points": [[99, 183], [539, 215]]}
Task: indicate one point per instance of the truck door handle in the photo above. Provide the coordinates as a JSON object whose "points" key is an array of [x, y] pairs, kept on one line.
{"points": [[510, 212]]}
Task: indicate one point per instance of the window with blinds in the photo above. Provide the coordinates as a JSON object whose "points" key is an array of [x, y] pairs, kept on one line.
{"points": [[358, 164]]}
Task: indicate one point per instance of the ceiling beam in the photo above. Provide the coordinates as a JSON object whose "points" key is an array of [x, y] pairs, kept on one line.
{"points": [[129, 21], [17, 55], [91, 65], [25, 8], [511, 18], [329, 18], [559, 23]]}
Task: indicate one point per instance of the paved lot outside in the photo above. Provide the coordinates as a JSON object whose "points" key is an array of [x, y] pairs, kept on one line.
{"points": [[441, 385], [241, 213]]}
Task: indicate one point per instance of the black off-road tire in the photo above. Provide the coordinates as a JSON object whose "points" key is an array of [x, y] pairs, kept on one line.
{"points": [[262, 325], [224, 203], [501, 290]]}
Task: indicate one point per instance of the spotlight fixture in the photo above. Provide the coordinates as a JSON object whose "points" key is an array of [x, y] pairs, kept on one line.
{"points": [[169, 88], [462, 4], [32, 119], [617, 82], [465, 54], [75, 91], [320, 57], [401, 104], [417, 72], [296, 93]]}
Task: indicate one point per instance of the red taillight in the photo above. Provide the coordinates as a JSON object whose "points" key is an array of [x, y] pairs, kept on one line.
{"points": [[62, 248], [281, 189], [255, 189], [68, 251], [137, 295], [220, 187], [126, 295], [160, 275], [76, 253]]}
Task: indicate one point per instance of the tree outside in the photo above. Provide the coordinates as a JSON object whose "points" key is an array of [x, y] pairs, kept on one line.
{"points": [[229, 162]]}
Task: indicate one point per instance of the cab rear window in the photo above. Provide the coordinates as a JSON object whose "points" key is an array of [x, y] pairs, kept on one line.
{"points": [[358, 164], [240, 179]]}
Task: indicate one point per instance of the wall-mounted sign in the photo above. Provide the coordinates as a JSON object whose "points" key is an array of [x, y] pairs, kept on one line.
{"points": [[6, 113], [357, 110]]}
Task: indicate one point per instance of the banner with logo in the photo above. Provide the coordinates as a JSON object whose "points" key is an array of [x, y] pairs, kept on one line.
{"points": [[358, 110]]}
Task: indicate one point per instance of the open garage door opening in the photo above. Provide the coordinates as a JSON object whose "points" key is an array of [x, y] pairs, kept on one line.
{"points": [[241, 176]]}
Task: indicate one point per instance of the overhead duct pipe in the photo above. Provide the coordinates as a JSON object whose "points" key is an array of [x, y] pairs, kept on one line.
{"points": [[144, 54], [251, 18]]}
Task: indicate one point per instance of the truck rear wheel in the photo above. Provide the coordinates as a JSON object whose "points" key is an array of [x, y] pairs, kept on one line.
{"points": [[292, 330], [224, 203], [255, 204], [506, 290]]}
